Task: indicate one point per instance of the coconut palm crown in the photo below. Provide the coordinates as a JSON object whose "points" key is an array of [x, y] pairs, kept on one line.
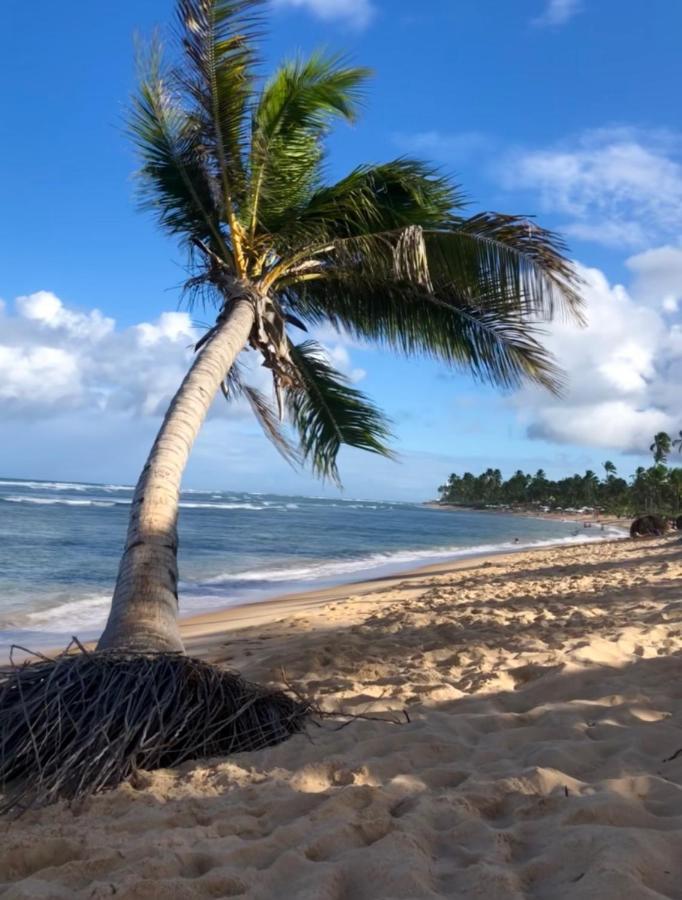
{"points": [[234, 168]]}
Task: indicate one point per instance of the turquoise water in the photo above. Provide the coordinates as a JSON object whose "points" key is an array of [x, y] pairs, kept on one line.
{"points": [[60, 544]]}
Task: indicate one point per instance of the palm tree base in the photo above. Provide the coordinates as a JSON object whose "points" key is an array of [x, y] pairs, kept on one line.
{"points": [[83, 723]]}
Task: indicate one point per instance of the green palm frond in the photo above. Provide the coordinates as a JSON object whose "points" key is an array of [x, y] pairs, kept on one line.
{"points": [[293, 114], [496, 344], [218, 38], [369, 201], [174, 181], [327, 412], [510, 258]]}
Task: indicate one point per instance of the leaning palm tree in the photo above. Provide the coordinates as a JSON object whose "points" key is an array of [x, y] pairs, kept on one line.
{"points": [[234, 169]]}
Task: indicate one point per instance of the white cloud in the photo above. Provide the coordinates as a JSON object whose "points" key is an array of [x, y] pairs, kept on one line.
{"points": [[45, 308], [624, 370], [54, 359], [658, 277], [336, 344], [557, 12], [358, 13], [618, 186]]}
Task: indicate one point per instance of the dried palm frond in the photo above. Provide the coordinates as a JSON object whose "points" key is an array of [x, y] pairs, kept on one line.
{"points": [[83, 723]]}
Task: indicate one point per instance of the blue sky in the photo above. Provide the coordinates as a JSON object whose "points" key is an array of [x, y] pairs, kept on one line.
{"points": [[562, 109]]}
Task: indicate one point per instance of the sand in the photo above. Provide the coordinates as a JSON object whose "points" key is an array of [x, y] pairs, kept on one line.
{"points": [[544, 696]]}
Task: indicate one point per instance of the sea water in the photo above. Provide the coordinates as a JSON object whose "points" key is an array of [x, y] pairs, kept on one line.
{"points": [[60, 544]]}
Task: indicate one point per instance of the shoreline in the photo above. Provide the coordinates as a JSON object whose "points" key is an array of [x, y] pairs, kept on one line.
{"points": [[208, 625], [520, 731], [195, 626]]}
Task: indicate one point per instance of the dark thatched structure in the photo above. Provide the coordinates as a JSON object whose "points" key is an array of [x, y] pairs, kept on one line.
{"points": [[83, 723], [678, 523], [648, 526]]}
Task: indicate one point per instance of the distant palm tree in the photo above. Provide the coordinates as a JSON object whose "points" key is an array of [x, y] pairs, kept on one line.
{"points": [[675, 481], [609, 468], [236, 172], [590, 485], [677, 442], [661, 447]]}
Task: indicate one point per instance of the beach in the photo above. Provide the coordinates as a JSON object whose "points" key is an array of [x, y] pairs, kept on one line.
{"points": [[524, 717]]}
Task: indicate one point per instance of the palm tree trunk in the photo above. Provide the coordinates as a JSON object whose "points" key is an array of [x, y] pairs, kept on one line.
{"points": [[144, 609]]}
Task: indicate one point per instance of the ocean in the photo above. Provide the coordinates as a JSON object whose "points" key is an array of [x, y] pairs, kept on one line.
{"points": [[60, 545]]}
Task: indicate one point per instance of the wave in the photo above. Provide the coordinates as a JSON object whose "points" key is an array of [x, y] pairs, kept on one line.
{"points": [[84, 615], [185, 504], [74, 616], [395, 560], [62, 501], [49, 485]]}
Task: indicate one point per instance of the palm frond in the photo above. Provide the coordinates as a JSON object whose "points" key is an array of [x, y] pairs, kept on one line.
{"points": [[292, 116], [510, 258], [368, 202], [327, 412], [218, 37], [234, 386], [496, 343], [271, 425], [174, 181]]}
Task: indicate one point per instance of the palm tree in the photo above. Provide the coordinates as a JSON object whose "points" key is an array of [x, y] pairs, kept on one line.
{"points": [[675, 481], [661, 447], [677, 442], [236, 173], [590, 486], [234, 170], [609, 469]]}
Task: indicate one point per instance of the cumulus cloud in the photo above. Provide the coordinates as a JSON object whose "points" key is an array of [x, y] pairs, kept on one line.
{"points": [[54, 359], [358, 13], [617, 186], [557, 12], [624, 370]]}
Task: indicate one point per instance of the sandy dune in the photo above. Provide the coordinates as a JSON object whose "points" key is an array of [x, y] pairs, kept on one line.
{"points": [[544, 694]]}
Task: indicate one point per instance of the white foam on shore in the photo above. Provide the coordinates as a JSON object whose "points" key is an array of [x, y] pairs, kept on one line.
{"points": [[88, 613], [397, 560]]}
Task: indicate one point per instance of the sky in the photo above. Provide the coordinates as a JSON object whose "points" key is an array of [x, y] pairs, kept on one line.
{"points": [[566, 110]]}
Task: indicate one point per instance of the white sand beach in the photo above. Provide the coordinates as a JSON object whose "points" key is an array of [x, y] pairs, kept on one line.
{"points": [[540, 705]]}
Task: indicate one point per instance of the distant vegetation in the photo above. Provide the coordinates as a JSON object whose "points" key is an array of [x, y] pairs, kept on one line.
{"points": [[656, 489]]}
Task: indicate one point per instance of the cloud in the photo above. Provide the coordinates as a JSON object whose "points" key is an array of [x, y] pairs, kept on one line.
{"points": [[557, 12], [624, 369], [658, 277], [54, 359], [618, 185], [357, 13]]}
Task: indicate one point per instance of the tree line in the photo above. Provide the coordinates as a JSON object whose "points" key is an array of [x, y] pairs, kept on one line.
{"points": [[657, 489]]}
